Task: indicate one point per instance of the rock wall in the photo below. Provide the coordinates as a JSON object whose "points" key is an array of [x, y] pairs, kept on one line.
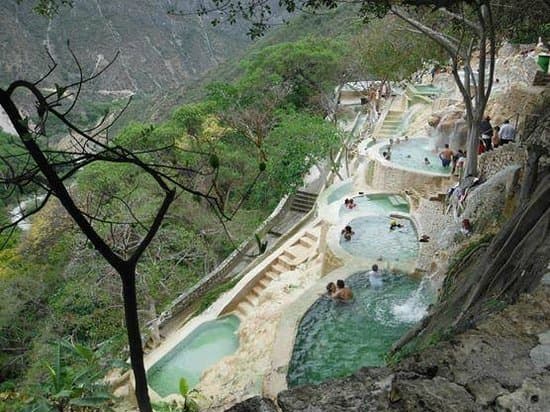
{"points": [[490, 163]]}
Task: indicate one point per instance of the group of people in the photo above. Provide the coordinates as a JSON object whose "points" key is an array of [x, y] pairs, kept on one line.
{"points": [[347, 232], [387, 154], [339, 290], [349, 203], [492, 137]]}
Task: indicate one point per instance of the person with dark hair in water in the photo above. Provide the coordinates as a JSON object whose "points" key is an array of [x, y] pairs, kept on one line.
{"points": [[347, 232], [375, 277], [331, 289], [342, 291]]}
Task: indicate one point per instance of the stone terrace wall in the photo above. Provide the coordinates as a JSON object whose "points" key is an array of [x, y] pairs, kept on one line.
{"points": [[490, 163]]}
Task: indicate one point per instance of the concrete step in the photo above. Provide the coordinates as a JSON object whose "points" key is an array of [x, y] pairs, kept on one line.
{"points": [[272, 274], [288, 254], [245, 307], [257, 290], [285, 261], [265, 281], [306, 242], [310, 236], [397, 200], [252, 299], [280, 268]]}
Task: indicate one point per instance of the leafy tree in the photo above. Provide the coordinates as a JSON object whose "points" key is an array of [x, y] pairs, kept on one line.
{"points": [[50, 171], [475, 29]]}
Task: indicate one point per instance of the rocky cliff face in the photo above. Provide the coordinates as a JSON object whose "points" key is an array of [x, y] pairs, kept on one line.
{"points": [[157, 51]]}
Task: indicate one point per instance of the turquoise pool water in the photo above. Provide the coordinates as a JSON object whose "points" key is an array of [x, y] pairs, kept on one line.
{"points": [[374, 240], [339, 192], [337, 338], [376, 204], [203, 347], [427, 89], [411, 154]]}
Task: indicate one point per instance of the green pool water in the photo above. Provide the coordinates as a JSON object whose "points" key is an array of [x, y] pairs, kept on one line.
{"points": [[411, 154], [427, 89], [376, 204], [203, 347], [374, 240], [339, 192], [337, 338]]}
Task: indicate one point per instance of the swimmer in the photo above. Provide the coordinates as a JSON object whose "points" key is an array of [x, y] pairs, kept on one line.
{"points": [[342, 291], [351, 204], [427, 161], [375, 277], [395, 224], [386, 155], [347, 232], [331, 289]]}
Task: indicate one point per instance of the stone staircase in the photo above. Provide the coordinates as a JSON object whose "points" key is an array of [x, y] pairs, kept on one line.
{"points": [[299, 250], [390, 126], [303, 201]]}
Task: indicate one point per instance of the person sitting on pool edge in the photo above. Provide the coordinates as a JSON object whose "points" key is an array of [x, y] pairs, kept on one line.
{"points": [[331, 289], [347, 232], [342, 291]]}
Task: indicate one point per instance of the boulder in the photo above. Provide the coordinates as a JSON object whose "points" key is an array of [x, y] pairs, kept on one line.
{"points": [[255, 404]]}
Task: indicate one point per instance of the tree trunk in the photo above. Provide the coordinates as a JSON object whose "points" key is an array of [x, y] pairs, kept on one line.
{"points": [[134, 339], [531, 172], [473, 143]]}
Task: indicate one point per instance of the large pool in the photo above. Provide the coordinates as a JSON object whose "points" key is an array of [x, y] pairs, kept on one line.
{"points": [[411, 154], [379, 204], [203, 347], [337, 338], [374, 240]]}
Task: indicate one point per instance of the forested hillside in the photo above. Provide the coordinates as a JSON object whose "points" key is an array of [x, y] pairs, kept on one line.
{"points": [[261, 113]]}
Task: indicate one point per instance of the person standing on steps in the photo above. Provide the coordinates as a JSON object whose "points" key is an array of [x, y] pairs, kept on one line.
{"points": [[486, 130], [507, 132]]}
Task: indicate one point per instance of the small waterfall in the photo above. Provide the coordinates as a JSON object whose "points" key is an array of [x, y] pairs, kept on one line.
{"points": [[416, 306], [17, 212], [409, 116]]}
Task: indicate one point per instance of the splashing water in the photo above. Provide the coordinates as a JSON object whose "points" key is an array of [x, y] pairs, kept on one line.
{"points": [[415, 306]]}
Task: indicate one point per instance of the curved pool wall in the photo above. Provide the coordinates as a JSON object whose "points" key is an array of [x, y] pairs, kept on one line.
{"points": [[335, 339], [381, 174], [202, 348]]}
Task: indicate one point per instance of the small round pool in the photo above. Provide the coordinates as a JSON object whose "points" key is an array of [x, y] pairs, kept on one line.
{"points": [[374, 240], [203, 347], [337, 338], [377, 204], [411, 154]]}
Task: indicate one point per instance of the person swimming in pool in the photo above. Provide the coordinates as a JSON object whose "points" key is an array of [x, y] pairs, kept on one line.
{"points": [[331, 289], [446, 155], [394, 224], [347, 232], [342, 291], [375, 277]]}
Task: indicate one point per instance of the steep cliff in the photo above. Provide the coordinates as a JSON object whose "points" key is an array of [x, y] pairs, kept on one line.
{"points": [[157, 50]]}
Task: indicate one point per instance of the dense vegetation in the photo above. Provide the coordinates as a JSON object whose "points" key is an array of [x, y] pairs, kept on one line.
{"points": [[270, 116]]}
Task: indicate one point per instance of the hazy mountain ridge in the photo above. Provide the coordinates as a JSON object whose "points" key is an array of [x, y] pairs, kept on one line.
{"points": [[157, 51]]}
